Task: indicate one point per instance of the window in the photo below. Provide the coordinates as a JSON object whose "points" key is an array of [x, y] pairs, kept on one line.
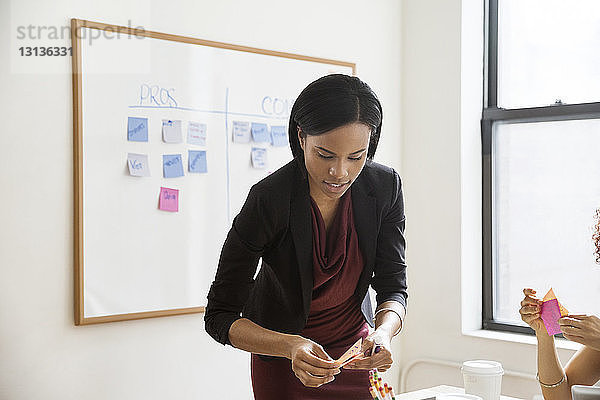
{"points": [[541, 156]]}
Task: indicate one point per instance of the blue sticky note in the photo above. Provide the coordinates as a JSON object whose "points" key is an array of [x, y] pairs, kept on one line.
{"points": [[279, 136], [259, 157], [137, 129], [260, 133], [197, 161], [172, 165]]}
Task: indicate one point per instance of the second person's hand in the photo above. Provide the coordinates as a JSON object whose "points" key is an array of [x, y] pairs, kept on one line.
{"points": [[581, 328]]}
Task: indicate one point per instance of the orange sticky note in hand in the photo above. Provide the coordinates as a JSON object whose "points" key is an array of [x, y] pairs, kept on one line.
{"points": [[350, 354], [551, 296]]}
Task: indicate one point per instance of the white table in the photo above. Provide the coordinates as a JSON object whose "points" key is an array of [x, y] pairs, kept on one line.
{"points": [[437, 390]]}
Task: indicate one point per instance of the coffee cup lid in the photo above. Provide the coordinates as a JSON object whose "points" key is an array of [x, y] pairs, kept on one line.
{"points": [[482, 367]]}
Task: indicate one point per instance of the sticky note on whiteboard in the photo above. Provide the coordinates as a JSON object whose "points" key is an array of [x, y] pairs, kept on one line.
{"points": [[169, 199], [259, 157], [279, 136], [137, 129], [197, 161], [241, 132], [260, 132], [171, 130], [172, 165], [138, 164], [196, 133]]}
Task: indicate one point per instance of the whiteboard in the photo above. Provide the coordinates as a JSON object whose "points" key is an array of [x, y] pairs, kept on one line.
{"points": [[132, 259]]}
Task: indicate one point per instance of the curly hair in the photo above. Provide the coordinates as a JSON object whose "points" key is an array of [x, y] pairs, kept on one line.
{"points": [[596, 236]]}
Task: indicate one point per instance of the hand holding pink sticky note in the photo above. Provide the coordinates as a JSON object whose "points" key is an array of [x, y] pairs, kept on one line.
{"points": [[551, 311], [169, 199]]}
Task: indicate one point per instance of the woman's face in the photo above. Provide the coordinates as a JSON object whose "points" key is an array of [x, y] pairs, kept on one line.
{"points": [[334, 159]]}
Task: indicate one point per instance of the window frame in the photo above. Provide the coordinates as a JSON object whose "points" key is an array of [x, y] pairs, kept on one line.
{"points": [[492, 115]]}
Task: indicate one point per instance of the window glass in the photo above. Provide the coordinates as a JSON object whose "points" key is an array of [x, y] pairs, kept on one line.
{"points": [[548, 50], [546, 189]]}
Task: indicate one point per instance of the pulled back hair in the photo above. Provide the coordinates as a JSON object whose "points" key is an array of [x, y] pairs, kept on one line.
{"points": [[331, 102]]}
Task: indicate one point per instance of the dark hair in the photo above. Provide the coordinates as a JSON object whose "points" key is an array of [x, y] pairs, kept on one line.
{"points": [[331, 102]]}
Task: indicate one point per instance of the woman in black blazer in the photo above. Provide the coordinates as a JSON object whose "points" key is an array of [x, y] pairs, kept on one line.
{"points": [[327, 225]]}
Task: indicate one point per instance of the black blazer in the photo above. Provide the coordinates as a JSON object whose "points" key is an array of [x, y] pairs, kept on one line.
{"points": [[275, 224]]}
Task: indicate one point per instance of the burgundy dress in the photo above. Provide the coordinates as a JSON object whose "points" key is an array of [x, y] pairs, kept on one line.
{"points": [[335, 320]]}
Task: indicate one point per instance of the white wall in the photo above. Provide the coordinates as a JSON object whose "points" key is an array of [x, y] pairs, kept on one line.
{"points": [[441, 107], [42, 354]]}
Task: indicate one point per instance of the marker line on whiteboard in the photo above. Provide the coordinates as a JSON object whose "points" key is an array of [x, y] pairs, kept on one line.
{"points": [[281, 117], [227, 153]]}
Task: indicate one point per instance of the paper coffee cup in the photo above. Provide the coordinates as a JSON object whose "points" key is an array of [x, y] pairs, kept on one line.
{"points": [[483, 378], [457, 396]]}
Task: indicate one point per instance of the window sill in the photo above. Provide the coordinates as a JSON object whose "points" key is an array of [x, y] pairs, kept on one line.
{"points": [[519, 338]]}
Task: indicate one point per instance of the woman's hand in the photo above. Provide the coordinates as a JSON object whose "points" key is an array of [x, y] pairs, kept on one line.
{"points": [[584, 329], [377, 352], [311, 364], [530, 312]]}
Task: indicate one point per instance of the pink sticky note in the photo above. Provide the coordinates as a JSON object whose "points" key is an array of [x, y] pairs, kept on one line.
{"points": [[550, 313], [169, 199]]}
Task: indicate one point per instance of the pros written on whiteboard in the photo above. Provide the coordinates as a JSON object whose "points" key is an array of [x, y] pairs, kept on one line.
{"points": [[154, 95], [170, 133]]}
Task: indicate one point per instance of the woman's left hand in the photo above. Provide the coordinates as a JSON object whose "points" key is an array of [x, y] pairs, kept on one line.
{"points": [[377, 353], [581, 328]]}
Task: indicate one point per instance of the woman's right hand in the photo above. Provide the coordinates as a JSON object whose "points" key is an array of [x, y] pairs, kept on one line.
{"points": [[311, 364], [530, 311]]}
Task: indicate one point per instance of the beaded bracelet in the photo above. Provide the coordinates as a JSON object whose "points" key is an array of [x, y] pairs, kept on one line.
{"points": [[562, 380], [394, 311]]}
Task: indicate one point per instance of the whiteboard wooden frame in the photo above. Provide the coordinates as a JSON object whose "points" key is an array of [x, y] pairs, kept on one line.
{"points": [[79, 231]]}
